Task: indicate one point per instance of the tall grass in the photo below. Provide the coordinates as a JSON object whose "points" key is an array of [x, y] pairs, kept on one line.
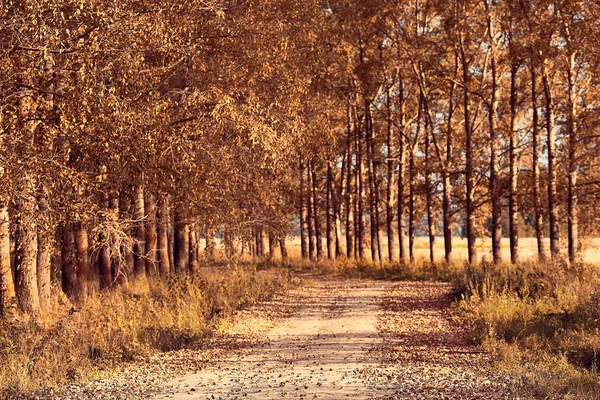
{"points": [[541, 320], [117, 326]]}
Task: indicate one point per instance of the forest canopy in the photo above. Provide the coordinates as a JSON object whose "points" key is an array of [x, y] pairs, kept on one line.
{"points": [[129, 130]]}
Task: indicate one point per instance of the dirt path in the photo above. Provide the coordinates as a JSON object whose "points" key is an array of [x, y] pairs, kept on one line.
{"points": [[354, 339]]}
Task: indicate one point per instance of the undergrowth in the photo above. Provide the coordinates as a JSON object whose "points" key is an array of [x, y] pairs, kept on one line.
{"points": [[543, 322], [117, 326]]}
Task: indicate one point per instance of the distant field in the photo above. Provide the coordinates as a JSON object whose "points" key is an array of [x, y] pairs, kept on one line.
{"points": [[527, 247]]}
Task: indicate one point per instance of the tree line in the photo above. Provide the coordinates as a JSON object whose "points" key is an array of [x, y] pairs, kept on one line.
{"points": [[461, 117], [130, 130]]}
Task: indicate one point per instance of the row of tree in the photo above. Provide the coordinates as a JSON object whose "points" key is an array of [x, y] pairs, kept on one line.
{"points": [[131, 129], [460, 116]]}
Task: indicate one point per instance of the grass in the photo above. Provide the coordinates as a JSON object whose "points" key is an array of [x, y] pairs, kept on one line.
{"points": [[117, 326], [542, 321]]}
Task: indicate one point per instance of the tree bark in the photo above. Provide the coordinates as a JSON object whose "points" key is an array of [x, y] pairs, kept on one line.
{"points": [[104, 261], [194, 243], [350, 249], [45, 244], [68, 262], [469, 170], [211, 246], [115, 248], [150, 234], [318, 237], [162, 243], [27, 248], [304, 221], [492, 110], [429, 190], [82, 258], [182, 243], [311, 220], [125, 214], [512, 200], [272, 245], [389, 203], [403, 254], [139, 246], [8, 300], [360, 215], [283, 248], [412, 183], [535, 167], [572, 199], [552, 206], [446, 184], [171, 238], [331, 242], [373, 218]]}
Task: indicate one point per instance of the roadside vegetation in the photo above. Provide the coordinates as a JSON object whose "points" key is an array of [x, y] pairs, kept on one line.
{"points": [[540, 320], [115, 327]]}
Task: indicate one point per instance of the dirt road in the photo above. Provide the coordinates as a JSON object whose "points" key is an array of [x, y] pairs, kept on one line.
{"points": [[354, 339]]}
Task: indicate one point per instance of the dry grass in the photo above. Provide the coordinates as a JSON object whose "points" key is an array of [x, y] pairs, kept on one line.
{"points": [[543, 322], [116, 326], [527, 248]]}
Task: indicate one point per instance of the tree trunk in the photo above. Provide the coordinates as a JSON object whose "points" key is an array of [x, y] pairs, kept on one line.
{"points": [[311, 220], [469, 170], [150, 234], [27, 247], [304, 218], [412, 183], [446, 185], [171, 238], [7, 285], [371, 188], [127, 246], [283, 248], [429, 190], [162, 242], [68, 265], [350, 249], [82, 258], [331, 242], [45, 243], [194, 243], [272, 245], [552, 206], [492, 109], [536, 167], [360, 215], [139, 246], [390, 181], [104, 264], [401, 175], [211, 246], [512, 201], [115, 250], [572, 199], [318, 237], [182, 244]]}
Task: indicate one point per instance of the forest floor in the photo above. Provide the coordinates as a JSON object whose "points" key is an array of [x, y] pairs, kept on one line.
{"points": [[329, 339]]}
